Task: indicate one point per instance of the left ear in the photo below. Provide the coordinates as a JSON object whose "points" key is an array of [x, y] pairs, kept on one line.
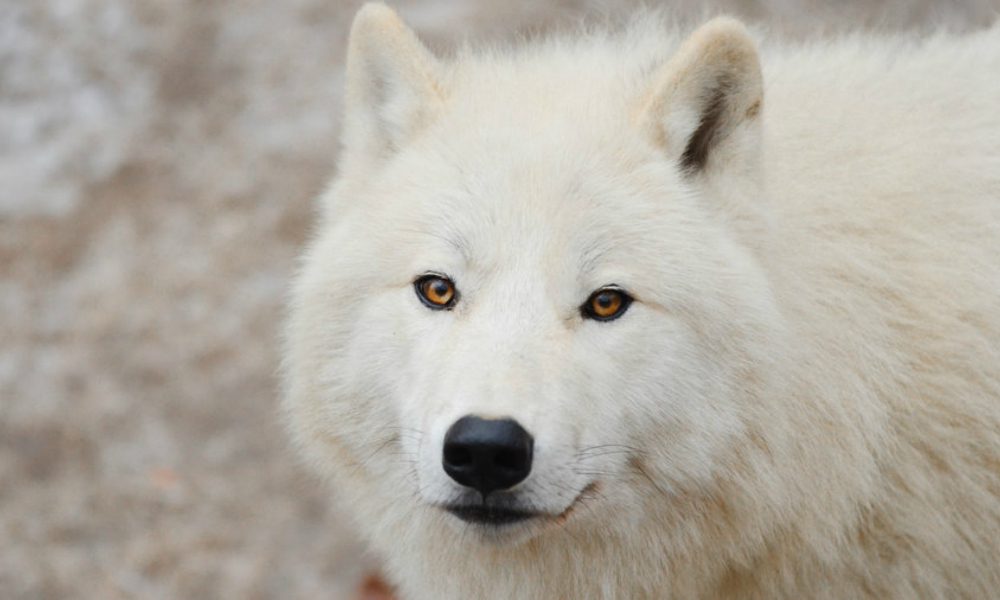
{"points": [[706, 100], [393, 84]]}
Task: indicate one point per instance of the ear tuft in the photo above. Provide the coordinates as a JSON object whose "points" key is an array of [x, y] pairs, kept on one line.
{"points": [[393, 83], [709, 89]]}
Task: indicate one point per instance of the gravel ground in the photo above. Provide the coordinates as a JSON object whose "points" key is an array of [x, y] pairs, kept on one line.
{"points": [[158, 164]]}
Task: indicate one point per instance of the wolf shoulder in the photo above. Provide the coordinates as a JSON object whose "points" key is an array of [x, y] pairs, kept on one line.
{"points": [[903, 118]]}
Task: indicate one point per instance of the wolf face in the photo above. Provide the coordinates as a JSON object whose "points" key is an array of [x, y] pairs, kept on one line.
{"points": [[532, 302]]}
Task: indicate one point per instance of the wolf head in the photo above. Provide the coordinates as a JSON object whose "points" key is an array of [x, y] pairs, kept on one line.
{"points": [[535, 302]]}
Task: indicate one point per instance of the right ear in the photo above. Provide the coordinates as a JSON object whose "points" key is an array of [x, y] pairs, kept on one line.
{"points": [[393, 85], [706, 96]]}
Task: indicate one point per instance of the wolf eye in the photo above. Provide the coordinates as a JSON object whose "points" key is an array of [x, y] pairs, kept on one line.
{"points": [[606, 304], [435, 291]]}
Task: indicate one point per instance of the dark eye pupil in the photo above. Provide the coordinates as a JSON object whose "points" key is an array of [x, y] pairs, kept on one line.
{"points": [[437, 293], [606, 304]]}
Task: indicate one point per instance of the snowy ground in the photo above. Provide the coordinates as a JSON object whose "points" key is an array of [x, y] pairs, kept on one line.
{"points": [[158, 160]]}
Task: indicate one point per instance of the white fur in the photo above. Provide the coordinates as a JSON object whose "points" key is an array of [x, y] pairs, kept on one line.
{"points": [[803, 401]]}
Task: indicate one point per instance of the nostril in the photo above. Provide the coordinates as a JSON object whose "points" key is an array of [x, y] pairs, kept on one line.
{"points": [[510, 459], [457, 455]]}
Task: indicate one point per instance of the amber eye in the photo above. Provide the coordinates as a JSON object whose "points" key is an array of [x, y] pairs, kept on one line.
{"points": [[606, 304], [435, 291]]}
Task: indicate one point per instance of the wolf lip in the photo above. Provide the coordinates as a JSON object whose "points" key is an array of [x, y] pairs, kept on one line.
{"points": [[489, 515]]}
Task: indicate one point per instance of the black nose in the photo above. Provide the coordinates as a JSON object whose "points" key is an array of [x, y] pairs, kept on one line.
{"points": [[487, 454]]}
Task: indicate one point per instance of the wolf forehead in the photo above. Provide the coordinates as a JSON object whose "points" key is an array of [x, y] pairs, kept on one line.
{"points": [[548, 141], [550, 88]]}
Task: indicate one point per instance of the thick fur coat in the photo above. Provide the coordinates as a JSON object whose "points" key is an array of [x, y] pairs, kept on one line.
{"points": [[803, 400]]}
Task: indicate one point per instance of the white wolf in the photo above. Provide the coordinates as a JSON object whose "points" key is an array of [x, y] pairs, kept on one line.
{"points": [[617, 315]]}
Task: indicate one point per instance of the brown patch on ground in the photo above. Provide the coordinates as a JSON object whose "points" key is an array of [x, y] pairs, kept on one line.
{"points": [[375, 588]]}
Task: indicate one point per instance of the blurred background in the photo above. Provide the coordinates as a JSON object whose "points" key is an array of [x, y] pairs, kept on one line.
{"points": [[159, 161]]}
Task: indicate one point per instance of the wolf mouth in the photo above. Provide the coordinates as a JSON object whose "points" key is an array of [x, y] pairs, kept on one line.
{"points": [[490, 515], [499, 516]]}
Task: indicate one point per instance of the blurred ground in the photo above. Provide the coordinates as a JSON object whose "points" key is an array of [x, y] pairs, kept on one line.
{"points": [[158, 163]]}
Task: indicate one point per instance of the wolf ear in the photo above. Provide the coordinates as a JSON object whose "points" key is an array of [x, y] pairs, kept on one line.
{"points": [[392, 84], [705, 95]]}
